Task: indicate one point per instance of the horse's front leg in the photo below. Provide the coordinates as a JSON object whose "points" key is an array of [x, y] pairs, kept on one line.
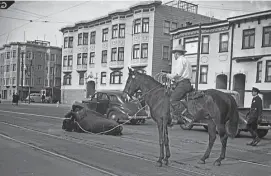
{"points": [[223, 139], [161, 143], [166, 145], [212, 137]]}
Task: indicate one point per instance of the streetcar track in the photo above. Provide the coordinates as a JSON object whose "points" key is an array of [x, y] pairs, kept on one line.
{"points": [[101, 146], [154, 142], [142, 140], [58, 155]]}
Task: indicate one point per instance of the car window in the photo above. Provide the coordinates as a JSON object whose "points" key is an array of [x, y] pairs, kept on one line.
{"points": [[126, 98], [103, 97], [94, 97], [113, 98]]}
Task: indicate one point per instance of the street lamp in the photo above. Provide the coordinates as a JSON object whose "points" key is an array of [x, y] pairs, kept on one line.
{"points": [[30, 74]]}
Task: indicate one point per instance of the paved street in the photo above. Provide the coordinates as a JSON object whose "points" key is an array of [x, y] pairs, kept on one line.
{"points": [[33, 143]]}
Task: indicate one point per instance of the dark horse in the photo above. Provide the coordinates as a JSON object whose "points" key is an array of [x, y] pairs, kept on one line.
{"points": [[218, 108]]}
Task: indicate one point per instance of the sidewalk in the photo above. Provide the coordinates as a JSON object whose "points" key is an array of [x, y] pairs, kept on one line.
{"points": [[36, 104]]}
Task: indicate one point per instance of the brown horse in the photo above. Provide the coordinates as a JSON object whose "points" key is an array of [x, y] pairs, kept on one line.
{"points": [[219, 109]]}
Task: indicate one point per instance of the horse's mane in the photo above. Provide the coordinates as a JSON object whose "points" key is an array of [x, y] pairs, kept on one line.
{"points": [[150, 79]]}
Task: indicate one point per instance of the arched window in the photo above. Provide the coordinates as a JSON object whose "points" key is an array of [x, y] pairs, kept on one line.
{"points": [[67, 79], [115, 77]]}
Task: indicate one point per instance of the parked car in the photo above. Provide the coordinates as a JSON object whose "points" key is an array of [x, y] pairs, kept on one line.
{"points": [[263, 126], [36, 97], [117, 106]]}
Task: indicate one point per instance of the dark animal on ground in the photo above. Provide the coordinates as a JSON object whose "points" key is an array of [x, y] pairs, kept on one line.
{"points": [[218, 108], [82, 119]]}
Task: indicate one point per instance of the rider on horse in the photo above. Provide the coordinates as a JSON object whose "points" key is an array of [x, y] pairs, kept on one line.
{"points": [[182, 74]]}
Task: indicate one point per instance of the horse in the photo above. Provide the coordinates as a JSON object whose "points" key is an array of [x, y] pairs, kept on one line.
{"points": [[82, 119], [218, 108]]}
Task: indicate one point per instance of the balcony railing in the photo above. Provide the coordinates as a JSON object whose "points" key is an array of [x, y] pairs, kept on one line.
{"points": [[116, 64], [139, 62], [81, 67], [67, 69]]}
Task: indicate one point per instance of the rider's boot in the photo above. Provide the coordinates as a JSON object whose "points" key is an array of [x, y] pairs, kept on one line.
{"points": [[186, 113]]}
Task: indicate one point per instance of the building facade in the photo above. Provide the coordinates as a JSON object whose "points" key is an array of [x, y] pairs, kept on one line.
{"points": [[97, 53], [235, 54], [17, 58]]}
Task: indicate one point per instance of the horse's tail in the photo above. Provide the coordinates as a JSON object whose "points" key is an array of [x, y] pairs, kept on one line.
{"points": [[233, 115]]}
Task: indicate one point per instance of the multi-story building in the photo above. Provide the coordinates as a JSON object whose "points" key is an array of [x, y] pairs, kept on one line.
{"points": [[17, 58], [97, 54], [234, 54]]}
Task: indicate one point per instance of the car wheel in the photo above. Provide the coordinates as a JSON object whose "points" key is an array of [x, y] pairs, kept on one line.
{"points": [[262, 133], [134, 121], [113, 115]]}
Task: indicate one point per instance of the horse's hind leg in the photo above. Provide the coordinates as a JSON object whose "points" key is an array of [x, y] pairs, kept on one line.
{"points": [[161, 142], [212, 137], [166, 144], [223, 139]]}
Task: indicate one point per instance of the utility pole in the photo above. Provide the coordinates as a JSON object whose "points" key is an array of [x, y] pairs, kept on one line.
{"points": [[22, 75], [29, 87], [198, 59], [53, 82]]}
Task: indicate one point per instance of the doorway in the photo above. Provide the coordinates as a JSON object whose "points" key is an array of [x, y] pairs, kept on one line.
{"points": [[90, 88], [221, 81], [239, 82]]}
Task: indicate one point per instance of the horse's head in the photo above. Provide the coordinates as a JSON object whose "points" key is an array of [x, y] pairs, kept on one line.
{"points": [[132, 83]]}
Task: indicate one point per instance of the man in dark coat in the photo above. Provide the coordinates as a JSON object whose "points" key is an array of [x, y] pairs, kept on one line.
{"points": [[254, 115]]}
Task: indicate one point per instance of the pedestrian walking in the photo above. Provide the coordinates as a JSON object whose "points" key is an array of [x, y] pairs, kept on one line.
{"points": [[254, 115]]}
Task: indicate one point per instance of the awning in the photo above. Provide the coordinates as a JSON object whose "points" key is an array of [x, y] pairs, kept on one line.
{"points": [[248, 58]]}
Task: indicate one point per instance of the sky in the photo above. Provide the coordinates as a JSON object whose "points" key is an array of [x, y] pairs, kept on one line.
{"points": [[49, 16]]}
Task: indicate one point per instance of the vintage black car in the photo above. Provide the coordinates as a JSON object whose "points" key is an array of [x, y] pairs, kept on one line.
{"points": [[117, 106]]}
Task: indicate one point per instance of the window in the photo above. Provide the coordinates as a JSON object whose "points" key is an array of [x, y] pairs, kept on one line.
{"points": [[79, 60], [14, 67], [268, 71], [173, 25], [14, 53], [115, 77], [70, 45], [85, 38], [104, 56], [191, 45], [203, 74], [259, 72], [114, 54], [80, 39], [105, 35], [145, 25], [166, 52], [122, 31], [38, 81], [267, 36], [8, 55], [81, 78], [13, 81], [205, 45], [66, 42], [51, 70], [136, 51], [84, 59], [91, 58], [137, 24], [103, 77], [121, 54], [248, 38], [7, 81], [223, 42], [7, 68], [70, 60], [92, 37], [39, 67], [52, 57], [166, 27], [194, 73], [65, 61], [67, 79], [114, 31]]}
